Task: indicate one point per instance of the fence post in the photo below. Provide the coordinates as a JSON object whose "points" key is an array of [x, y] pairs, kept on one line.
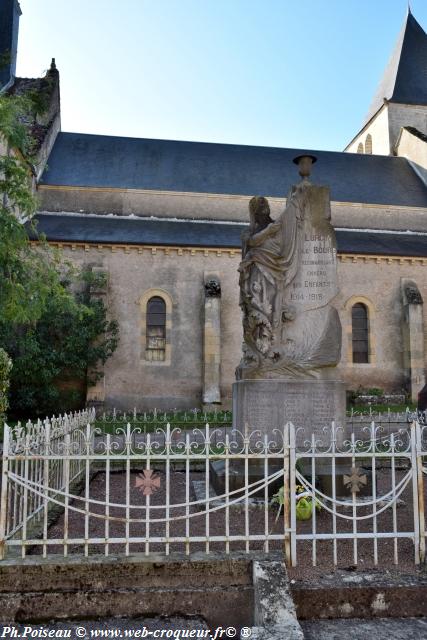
{"points": [[289, 494], [46, 483], [420, 484], [286, 494], [293, 491], [4, 491], [415, 496], [65, 486]]}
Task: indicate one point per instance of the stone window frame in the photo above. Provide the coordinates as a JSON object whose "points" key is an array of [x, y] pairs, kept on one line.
{"points": [[360, 329], [348, 328], [368, 144], [360, 148], [143, 302]]}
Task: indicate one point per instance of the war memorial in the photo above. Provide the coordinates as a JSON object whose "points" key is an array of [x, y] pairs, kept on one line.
{"points": [[291, 331]]}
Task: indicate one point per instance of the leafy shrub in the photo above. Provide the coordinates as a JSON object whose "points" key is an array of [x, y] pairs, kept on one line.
{"points": [[56, 357], [374, 391]]}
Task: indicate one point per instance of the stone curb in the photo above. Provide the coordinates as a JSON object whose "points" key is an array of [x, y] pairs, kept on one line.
{"points": [[274, 614], [362, 595]]}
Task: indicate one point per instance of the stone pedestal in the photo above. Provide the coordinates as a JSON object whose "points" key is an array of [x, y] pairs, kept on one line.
{"points": [[266, 405], [269, 404]]}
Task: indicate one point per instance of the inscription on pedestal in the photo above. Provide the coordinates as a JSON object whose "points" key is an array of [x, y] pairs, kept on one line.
{"points": [[267, 405], [314, 410], [260, 410]]}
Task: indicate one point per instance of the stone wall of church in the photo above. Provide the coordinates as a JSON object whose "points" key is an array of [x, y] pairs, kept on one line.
{"points": [[406, 115], [131, 380], [385, 127], [378, 286], [228, 208], [161, 204], [364, 216], [136, 272], [378, 129], [414, 147]]}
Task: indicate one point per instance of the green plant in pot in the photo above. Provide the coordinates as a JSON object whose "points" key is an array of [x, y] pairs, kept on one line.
{"points": [[304, 502], [304, 508]]}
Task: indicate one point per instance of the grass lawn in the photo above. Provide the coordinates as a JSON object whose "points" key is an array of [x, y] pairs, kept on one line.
{"points": [[184, 420]]}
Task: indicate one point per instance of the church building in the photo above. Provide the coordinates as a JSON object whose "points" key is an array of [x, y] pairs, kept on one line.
{"points": [[163, 220]]}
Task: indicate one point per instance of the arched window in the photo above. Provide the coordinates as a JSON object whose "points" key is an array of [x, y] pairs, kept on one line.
{"points": [[360, 147], [368, 144], [360, 332], [156, 329]]}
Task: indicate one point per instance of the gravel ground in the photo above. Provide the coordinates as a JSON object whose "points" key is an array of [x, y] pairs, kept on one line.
{"points": [[97, 526], [402, 519], [257, 525]]}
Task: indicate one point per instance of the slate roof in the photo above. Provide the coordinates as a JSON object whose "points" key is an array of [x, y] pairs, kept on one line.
{"points": [[405, 77], [79, 159], [143, 231]]}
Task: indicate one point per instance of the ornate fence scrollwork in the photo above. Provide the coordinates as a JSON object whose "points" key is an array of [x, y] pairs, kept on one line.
{"points": [[166, 475]]}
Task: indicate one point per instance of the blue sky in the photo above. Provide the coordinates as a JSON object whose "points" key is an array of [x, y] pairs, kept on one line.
{"points": [[280, 73]]}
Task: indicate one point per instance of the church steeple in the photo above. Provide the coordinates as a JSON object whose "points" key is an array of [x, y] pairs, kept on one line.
{"points": [[401, 97], [405, 77]]}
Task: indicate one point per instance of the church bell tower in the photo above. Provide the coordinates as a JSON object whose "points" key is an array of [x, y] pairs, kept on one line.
{"points": [[400, 103]]}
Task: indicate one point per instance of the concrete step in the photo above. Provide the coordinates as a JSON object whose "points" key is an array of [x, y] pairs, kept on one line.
{"points": [[358, 629]]}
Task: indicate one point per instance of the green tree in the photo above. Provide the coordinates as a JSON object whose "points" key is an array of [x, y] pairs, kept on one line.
{"points": [[27, 277], [5, 367], [55, 358], [49, 325]]}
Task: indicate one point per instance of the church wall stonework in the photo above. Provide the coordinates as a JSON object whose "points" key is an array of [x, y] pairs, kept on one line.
{"points": [[386, 125], [218, 207], [414, 148], [361, 216], [132, 381], [405, 115], [378, 128], [379, 284], [162, 204]]}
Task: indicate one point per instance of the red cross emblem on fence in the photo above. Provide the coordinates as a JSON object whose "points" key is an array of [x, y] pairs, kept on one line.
{"points": [[147, 482]]}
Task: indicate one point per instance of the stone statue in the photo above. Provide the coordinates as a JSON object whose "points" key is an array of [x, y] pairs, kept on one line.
{"points": [[287, 279], [213, 288], [412, 294]]}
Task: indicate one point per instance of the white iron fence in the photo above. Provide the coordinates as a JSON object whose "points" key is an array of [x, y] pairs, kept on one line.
{"points": [[33, 455], [70, 488], [387, 469]]}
